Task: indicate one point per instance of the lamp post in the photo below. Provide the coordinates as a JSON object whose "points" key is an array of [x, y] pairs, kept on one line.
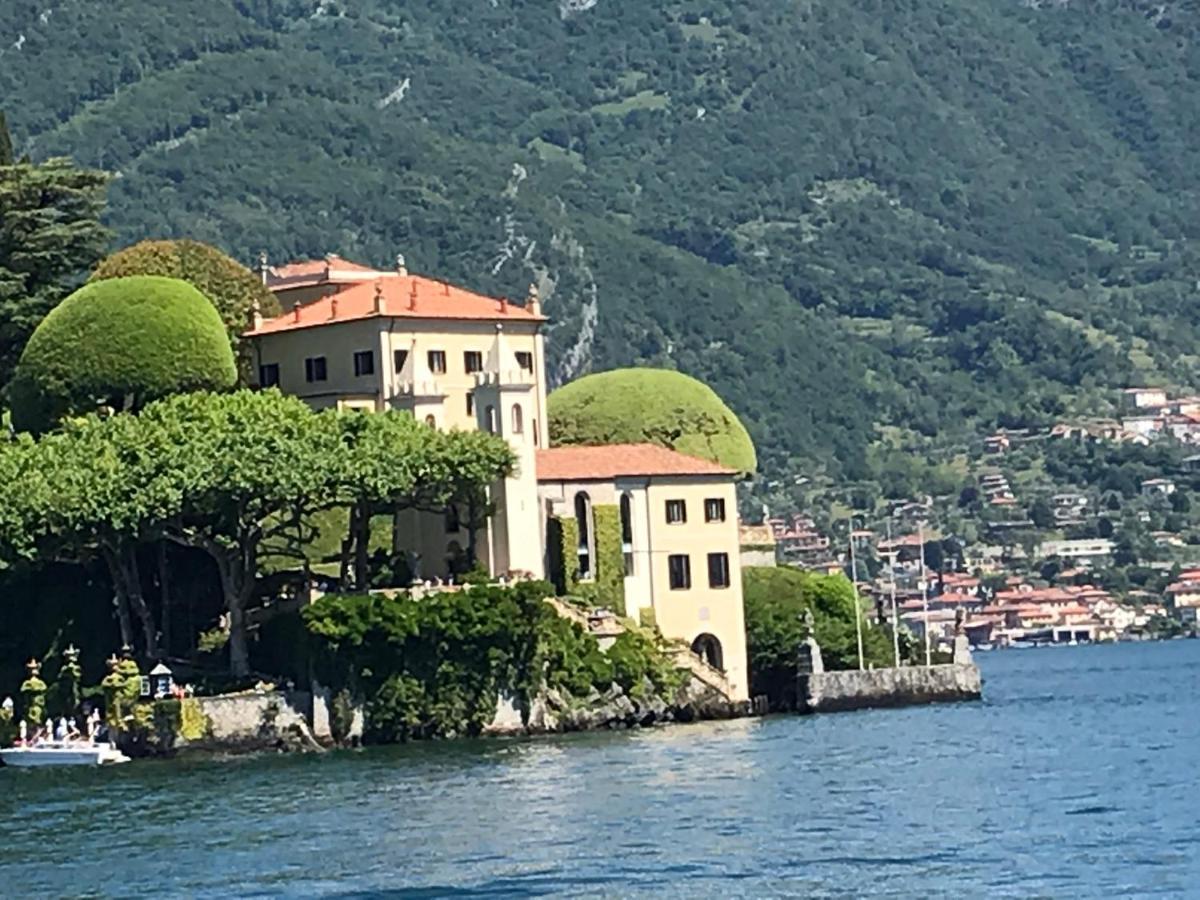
{"points": [[892, 581], [857, 602], [924, 593]]}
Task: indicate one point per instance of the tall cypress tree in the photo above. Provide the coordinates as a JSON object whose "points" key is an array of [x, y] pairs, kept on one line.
{"points": [[50, 237], [6, 147]]}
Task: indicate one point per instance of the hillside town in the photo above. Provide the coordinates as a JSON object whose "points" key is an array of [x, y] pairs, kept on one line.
{"points": [[1081, 532]]}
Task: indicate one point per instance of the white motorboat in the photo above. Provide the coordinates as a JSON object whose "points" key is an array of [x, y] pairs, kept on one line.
{"points": [[63, 753]]}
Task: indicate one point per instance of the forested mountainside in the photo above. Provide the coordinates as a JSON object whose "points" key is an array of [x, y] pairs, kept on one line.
{"points": [[896, 218]]}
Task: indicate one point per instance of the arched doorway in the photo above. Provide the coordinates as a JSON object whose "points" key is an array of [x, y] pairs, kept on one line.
{"points": [[708, 648]]}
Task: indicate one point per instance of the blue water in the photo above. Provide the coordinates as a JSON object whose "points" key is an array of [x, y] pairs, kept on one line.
{"points": [[1076, 777]]}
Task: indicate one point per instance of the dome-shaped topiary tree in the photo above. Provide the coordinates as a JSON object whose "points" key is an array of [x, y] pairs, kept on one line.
{"points": [[120, 343], [233, 289], [656, 406]]}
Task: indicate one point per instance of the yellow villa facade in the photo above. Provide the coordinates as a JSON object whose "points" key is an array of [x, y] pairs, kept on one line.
{"points": [[352, 337]]}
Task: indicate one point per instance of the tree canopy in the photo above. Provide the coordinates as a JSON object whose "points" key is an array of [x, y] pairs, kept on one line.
{"points": [[235, 475], [656, 406], [121, 343], [776, 600], [233, 289], [50, 235]]}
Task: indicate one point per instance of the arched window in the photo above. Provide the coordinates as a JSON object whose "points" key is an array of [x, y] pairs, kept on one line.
{"points": [[518, 419], [583, 523], [431, 421], [627, 532], [489, 419]]}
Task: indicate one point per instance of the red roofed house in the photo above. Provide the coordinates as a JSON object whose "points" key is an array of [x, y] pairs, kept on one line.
{"points": [[352, 337], [677, 518]]}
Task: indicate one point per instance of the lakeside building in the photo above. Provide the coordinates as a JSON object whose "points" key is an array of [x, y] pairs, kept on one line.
{"points": [[356, 338]]}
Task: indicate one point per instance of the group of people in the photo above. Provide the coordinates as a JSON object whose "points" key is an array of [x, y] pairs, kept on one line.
{"points": [[65, 731]]}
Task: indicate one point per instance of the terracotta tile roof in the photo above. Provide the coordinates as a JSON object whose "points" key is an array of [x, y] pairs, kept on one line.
{"points": [[401, 296], [619, 460], [313, 271]]}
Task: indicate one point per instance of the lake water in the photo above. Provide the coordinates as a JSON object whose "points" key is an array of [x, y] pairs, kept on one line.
{"points": [[1076, 776]]}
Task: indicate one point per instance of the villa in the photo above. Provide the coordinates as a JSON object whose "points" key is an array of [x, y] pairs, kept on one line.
{"points": [[643, 530]]}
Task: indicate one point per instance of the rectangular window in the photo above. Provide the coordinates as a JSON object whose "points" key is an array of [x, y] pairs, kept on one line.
{"points": [[314, 369], [437, 362], [399, 358], [718, 570], [470, 403], [679, 566], [676, 512], [364, 362], [268, 375], [472, 361], [714, 509], [525, 360]]}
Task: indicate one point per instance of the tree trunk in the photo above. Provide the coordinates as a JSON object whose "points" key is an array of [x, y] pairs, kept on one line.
{"points": [[121, 559], [360, 521], [122, 610], [164, 598], [137, 602], [239, 648]]}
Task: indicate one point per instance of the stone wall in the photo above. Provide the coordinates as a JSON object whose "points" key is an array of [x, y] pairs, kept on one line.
{"points": [[910, 685], [254, 718]]}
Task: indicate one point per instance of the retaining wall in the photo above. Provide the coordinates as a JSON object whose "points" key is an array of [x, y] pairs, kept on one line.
{"points": [[907, 686]]}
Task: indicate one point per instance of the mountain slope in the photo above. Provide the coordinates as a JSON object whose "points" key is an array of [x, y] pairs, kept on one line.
{"points": [[935, 216]]}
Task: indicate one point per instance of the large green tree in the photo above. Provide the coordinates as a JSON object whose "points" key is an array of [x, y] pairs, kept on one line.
{"points": [[234, 290], [120, 343], [50, 236], [656, 406]]}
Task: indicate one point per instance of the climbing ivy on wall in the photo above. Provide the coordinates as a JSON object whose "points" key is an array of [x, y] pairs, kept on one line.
{"points": [[607, 588]]}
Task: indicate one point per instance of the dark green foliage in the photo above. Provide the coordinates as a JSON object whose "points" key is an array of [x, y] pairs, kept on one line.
{"points": [[776, 599], [50, 235], [120, 343], [435, 667], [6, 148], [650, 406]]}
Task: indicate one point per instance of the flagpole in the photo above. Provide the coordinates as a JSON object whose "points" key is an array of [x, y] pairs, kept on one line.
{"points": [[924, 593], [857, 602]]}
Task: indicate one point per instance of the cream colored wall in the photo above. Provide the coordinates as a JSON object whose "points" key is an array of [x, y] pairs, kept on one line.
{"points": [[337, 343], [683, 614], [454, 338], [686, 614]]}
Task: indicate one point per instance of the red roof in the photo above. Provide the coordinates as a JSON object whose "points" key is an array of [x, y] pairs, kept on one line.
{"points": [[312, 271], [620, 460], [401, 296]]}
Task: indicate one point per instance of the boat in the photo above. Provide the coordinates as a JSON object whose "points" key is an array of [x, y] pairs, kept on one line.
{"points": [[62, 753]]}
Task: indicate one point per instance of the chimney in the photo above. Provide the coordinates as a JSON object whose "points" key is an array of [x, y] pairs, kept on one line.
{"points": [[412, 296], [504, 306], [533, 303], [379, 297], [264, 268], [333, 308], [446, 288], [296, 311], [256, 316], [401, 266]]}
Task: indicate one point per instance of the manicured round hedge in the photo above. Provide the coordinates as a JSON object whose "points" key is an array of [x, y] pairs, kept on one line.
{"points": [[232, 288], [121, 342], [657, 406]]}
